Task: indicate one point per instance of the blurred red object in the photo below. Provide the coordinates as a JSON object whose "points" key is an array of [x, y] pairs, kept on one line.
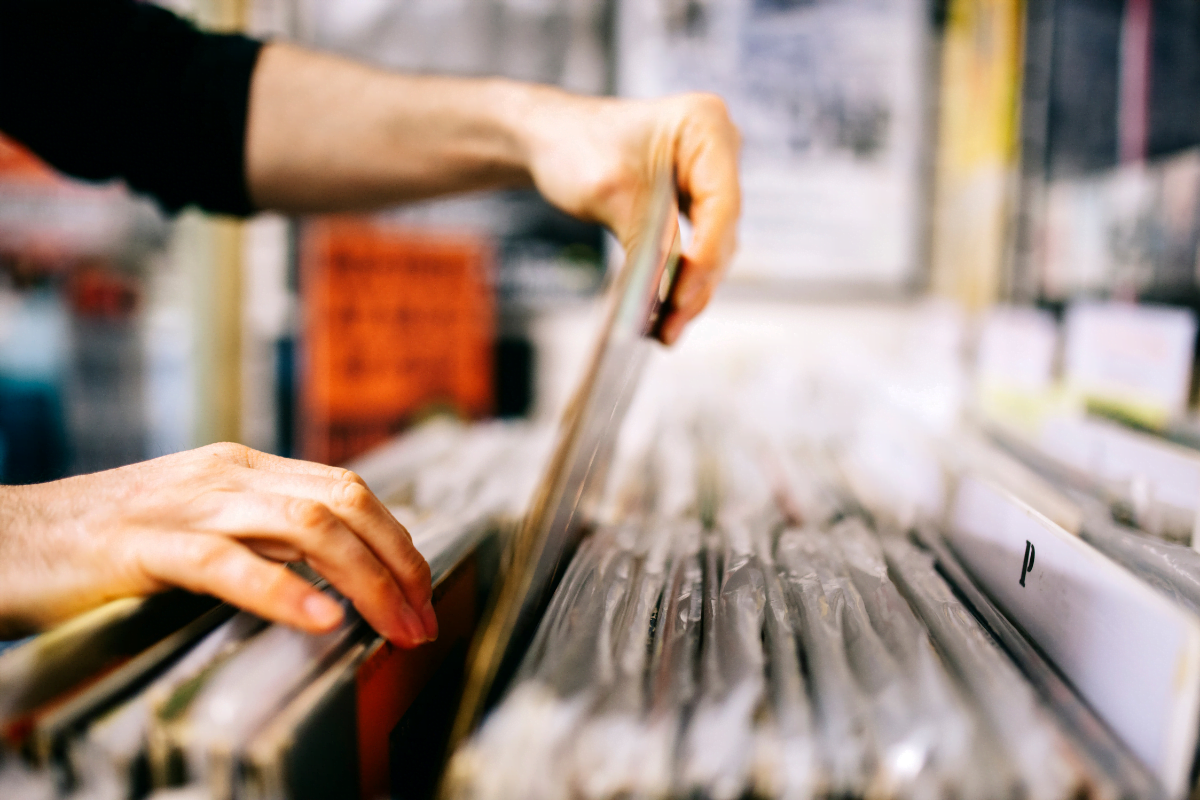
{"points": [[18, 163], [396, 322], [98, 291], [49, 221]]}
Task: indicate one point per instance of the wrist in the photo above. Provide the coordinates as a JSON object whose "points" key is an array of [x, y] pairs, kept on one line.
{"points": [[518, 111]]}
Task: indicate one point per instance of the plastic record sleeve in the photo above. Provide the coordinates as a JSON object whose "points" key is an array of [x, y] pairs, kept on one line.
{"points": [[635, 304]]}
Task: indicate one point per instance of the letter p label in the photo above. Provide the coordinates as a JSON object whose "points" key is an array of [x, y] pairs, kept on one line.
{"points": [[1027, 566]]}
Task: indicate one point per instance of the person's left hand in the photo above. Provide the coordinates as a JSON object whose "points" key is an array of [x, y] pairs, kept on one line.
{"points": [[597, 159], [217, 520]]}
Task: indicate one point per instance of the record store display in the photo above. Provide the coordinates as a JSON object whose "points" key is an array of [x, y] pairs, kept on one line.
{"points": [[750, 612], [771, 580], [748, 627]]}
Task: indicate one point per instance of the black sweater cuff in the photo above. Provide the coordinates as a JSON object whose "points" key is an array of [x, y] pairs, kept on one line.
{"points": [[105, 89]]}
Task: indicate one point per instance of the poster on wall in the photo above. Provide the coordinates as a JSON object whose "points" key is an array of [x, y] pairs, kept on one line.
{"points": [[829, 98]]}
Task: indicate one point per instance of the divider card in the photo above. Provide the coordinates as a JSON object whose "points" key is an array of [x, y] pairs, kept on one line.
{"points": [[1131, 653], [1153, 470], [1137, 355]]}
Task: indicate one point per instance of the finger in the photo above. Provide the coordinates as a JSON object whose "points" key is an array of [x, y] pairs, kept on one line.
{"points": [[226, 569], [362, 512], [707, 176], [331, 548], [348, 494], [672, 328], [680, 315], [703, 264]]}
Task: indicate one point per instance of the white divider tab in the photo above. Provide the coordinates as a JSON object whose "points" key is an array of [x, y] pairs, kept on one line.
{"points": [[1016, 349], [1140, 354], [1131, 653], [1161, 478]]}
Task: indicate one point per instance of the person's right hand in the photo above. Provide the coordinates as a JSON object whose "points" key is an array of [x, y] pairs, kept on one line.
{"points": [[598, 158], [218, 520]]}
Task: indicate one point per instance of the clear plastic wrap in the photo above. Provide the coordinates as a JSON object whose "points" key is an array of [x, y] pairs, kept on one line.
{"points": [[1043, 764], [572, 649], [608, 758], [905, 731], [943, 728], [579, 691], [848, 747], [719, 742], [785, 762], [583, 662], [580, 572], [902, 731], [522, 747], [674, 652]]}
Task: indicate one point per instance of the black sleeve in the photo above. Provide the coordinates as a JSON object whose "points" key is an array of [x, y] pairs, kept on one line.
{"points": [[105, 89]]}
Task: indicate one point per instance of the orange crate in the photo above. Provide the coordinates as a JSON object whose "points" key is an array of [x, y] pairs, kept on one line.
{"points": [[396, 321]]}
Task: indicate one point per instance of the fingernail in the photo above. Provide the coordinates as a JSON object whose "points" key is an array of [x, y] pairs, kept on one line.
{"points": [[323, 611], [672, 330], [429, 617], [412, 626]]}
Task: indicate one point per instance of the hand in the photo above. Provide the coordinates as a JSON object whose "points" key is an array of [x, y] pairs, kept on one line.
{"points": [[217, 520], [597, 158], [326, 134]]}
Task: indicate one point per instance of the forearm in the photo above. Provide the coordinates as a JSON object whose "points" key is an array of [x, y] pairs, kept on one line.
{"points": [[36, 588], [328, 134]]}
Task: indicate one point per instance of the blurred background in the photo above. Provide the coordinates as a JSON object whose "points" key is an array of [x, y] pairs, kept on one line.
{"points": [[980, 169]]}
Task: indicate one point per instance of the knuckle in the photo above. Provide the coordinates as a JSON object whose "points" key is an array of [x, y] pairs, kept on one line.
{"points": [[309, 514], [355, 496], [228, 451], [708, 103], [351, 477], [715, 104], [211, 557]]}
